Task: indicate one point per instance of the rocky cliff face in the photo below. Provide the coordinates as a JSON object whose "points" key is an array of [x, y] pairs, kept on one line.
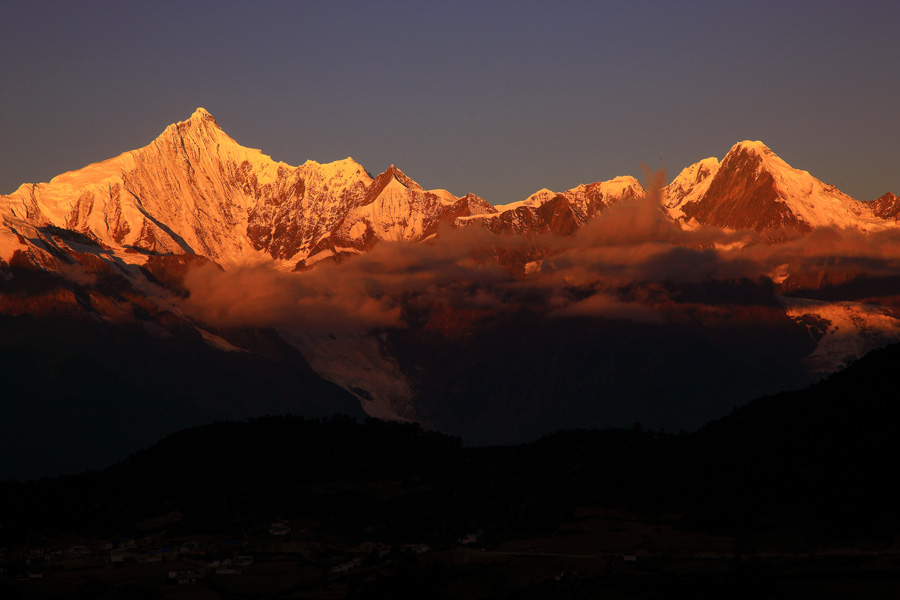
{"points": [[754, 189], [195, 190], [394, 208], [887, 207], [186, 192], [546, 211]]}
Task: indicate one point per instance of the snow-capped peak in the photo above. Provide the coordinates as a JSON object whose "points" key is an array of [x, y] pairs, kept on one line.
{"points": [[689, 185], [754, 188], [196, 190], [343, 168], [887, 206], [534, 200], [201, 113], [200, 119], [401, 177], [752, 147]]}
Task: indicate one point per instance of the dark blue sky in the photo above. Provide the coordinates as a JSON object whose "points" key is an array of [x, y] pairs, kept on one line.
{"points": [[498, 98]]}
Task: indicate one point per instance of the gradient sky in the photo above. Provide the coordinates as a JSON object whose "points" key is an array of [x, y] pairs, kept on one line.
{"points": [[499, 98]]}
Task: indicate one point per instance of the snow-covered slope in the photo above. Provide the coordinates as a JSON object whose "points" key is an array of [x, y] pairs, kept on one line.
{"points": [[689, 186], [753, 188], [287, 224], [359, 364], [592, 199], [546, 211], [195, 190], [844, 331], [183, 193], [393, 208]]}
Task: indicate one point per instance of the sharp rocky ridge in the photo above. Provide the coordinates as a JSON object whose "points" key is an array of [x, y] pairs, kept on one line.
{"points": [[195, 190], [753, 188]]}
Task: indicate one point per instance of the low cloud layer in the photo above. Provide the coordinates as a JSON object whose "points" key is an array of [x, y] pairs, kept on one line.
{"points": [[632, 242], [609, 307], [361, 293]]}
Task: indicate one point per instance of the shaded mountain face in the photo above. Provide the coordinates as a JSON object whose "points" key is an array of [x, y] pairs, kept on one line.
{"points": [[743, 195], [394, 208], [752, 188], [487, 375], [786, 473], [604, 304], [887, 206], [562, 214], [95, 370]]}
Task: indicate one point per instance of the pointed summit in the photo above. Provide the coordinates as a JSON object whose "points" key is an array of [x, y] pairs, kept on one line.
{"points": [[754, 188], [391, 175], [201, 117], [471, 204], [689, 185], [887, 207], [402, 178], [749, 155], [751, 147], [200, 120]]}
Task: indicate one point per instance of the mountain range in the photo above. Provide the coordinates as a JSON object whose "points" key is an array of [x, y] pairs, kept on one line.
{"points": [[195, 190], [195, 278]]}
